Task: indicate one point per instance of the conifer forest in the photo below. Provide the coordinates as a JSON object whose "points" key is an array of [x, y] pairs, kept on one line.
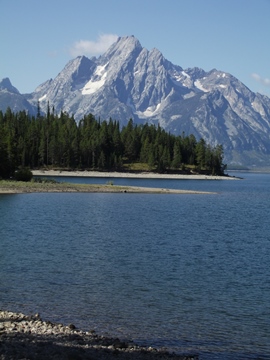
{"points": [[59, 142]]}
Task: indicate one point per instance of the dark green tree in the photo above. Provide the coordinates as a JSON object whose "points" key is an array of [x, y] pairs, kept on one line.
{"points": [[177, 156]]}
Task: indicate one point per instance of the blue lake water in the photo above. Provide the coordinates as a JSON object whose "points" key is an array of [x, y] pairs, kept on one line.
{"points": [[186, 272]]}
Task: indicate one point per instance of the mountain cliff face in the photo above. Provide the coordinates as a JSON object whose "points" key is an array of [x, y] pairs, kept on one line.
{"points": [[129, 81]]}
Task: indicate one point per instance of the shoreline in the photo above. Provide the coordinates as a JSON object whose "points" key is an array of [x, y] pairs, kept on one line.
{"points": [[29, 337], [142, 175], [19, 187]]}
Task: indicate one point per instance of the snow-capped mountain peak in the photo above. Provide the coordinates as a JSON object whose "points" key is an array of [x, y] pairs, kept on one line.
{"points": [[129, 81]]}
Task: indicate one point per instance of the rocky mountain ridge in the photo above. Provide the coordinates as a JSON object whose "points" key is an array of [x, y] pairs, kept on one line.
{"points": [[129, 81]]}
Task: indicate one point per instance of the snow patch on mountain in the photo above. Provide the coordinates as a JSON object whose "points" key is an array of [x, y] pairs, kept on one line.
{"points": [[150, 111], [94, 85], [199, 86], [185, 74], [189, 95], [100, 70], [176, 117], [42, 98]]}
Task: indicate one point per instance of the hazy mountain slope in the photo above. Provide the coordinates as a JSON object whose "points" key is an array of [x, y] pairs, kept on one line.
{"points": [[11, 97]]}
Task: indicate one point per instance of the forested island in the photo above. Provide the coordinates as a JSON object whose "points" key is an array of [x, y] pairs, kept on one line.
{"points": [[59, 142]]}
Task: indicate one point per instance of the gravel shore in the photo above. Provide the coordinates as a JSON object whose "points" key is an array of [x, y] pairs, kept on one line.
{"points": [[143, 175], [29, 337]]}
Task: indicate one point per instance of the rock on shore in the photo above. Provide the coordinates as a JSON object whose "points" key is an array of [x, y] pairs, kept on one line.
{"points": [[28, 337]]}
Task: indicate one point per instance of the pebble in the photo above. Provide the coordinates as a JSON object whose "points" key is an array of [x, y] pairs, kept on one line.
{"points": [[28, 337]]}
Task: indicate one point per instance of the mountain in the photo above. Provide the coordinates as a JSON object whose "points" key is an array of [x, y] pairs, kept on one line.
{"points": [[11, 97], [129, 81]]}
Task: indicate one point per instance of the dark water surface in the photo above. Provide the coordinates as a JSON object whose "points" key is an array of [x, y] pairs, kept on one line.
{"points": [[189, 272]]}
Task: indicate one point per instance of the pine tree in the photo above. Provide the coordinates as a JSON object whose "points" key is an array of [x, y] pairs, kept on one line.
{"points": [[201, 154], [177, 157]]}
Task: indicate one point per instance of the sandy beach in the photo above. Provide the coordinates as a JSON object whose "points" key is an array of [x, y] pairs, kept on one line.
{"points": [[143, 175]]}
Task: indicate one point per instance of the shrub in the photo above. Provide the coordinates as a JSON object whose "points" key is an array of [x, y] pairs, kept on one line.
{"points": [[23, 174]]}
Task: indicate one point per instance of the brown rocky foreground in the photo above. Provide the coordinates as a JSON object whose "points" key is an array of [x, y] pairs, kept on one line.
{"points": [[28, 337]]}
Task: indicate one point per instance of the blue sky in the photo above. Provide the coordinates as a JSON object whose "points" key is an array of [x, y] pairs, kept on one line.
{"points": [[38, 37]]}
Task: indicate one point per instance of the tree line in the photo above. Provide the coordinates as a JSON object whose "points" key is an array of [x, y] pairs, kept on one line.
{"points": [[58, 141]]}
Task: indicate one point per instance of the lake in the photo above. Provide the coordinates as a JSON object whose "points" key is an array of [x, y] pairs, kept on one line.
{"points": [[187, 272]]}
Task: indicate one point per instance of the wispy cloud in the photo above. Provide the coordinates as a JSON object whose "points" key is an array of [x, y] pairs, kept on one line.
{"points": [[261, 80], [88, 47]]}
